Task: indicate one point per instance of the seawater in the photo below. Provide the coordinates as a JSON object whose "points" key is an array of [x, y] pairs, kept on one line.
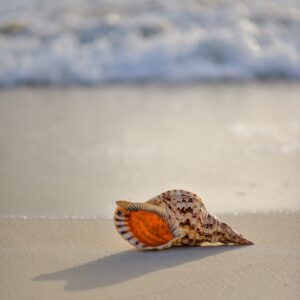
{"points": [[91, 42]]}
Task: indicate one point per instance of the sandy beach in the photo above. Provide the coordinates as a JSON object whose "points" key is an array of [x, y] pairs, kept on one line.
{"points": [[86, 259], [103, 102], [66, 155]]}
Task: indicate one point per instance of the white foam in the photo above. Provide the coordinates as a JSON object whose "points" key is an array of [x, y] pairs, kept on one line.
{"points": [[100, 41]]}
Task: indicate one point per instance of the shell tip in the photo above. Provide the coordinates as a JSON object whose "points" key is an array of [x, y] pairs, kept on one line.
{"points": [[247, 242]]}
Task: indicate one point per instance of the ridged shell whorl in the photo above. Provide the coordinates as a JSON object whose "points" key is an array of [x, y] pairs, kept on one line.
{"points": [[175, 217]]}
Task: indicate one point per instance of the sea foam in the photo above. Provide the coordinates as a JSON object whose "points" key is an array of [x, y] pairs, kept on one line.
{"points": [[92, 42]]}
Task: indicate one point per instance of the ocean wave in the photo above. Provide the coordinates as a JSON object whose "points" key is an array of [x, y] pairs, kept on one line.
{"points": [[92, 42]]}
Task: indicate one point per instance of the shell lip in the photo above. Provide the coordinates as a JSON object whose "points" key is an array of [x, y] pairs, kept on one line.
{"points": [[162, 212], [125, 208], [122, 203]]}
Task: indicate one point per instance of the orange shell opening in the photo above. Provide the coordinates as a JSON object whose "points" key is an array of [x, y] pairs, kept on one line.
{"points": [[149, 228]]}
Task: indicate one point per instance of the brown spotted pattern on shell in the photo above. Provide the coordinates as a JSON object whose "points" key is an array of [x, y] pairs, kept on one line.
{"points": [[173, 218]]}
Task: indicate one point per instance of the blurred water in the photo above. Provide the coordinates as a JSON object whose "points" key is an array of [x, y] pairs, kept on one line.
{"points": [[90, 42]]}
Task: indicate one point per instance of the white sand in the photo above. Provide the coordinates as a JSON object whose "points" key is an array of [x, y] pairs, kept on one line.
{"points": [[86, 259], [76, 151]]}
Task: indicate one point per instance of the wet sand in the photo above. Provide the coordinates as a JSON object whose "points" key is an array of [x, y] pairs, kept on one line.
{"points": [[67, 152]]}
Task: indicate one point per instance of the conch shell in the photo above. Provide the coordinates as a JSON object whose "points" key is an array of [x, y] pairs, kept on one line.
{"points": [[172, 218]]}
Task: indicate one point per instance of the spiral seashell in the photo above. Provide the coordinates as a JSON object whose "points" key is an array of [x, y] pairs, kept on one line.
{"points": [[173, 218]]}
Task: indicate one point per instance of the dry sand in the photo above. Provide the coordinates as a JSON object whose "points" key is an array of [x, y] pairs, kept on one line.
{"points": [[86, 259]]}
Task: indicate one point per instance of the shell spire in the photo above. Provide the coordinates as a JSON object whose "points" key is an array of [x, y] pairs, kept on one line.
{"points": [[173, 218]]}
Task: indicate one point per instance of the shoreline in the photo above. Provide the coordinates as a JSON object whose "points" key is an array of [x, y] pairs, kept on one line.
{"points": [[99, 218], [154, 84]]}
